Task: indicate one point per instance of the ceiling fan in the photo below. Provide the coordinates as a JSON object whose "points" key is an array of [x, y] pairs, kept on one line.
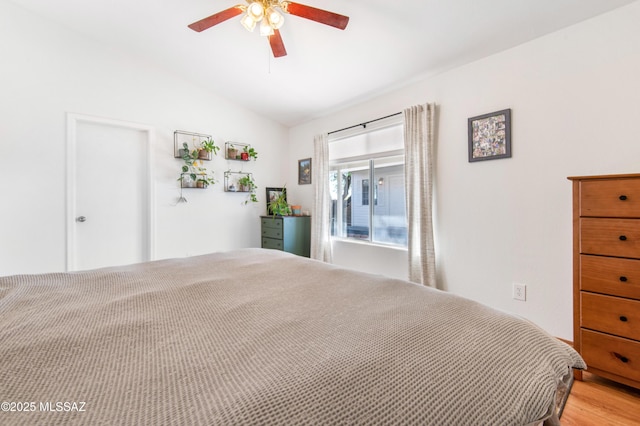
{"points": [[267, 13]]}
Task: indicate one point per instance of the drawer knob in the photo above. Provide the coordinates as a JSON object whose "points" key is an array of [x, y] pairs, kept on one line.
{"points": [[621, 358], [623, 318], [623, 238], [624, 279], [623, 198]]}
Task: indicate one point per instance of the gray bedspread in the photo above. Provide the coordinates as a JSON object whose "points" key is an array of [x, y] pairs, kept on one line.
{"points": [[264, 337]]}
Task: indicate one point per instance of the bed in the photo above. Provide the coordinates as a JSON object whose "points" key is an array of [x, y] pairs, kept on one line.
{"points": [[258, 336]]}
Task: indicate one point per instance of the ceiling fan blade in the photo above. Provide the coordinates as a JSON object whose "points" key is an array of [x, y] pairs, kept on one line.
{"points": [[215, 19], [318, 15], [277, 45]]}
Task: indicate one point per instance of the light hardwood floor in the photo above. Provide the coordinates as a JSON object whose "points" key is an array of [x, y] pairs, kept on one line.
{"points": [[601, 402]]}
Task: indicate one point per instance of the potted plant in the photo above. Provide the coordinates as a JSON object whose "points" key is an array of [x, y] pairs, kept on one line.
{"points": [[204, 180], [206, 148], [187, 180], [232, 151], [188, 176], [187, 155], [193, 174], [195, 177], [278, 206], [248, 152], [247, 184]]}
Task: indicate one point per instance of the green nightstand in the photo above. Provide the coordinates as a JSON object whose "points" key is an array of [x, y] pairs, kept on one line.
{"points": [[287, 233]]}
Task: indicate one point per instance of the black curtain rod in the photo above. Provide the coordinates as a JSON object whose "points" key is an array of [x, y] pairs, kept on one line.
{"points": [[365, 123]]}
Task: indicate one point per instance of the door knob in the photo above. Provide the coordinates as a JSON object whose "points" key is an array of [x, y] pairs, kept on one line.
{"points": [[81, 219]]}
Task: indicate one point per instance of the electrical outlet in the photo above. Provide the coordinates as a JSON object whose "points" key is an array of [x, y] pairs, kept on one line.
{"points": [[520, 291]]}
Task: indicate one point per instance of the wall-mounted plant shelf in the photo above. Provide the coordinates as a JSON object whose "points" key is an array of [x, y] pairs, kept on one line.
{"points": [[239, 151], [238, 182], [193, 141], [187, 181], [241, 182]]}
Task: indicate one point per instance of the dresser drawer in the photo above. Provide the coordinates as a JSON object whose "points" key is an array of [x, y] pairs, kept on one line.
{"points": [[610, 198], [271, 243], [612, 315], [609, 353], [610, 237], [272, 233], [273, 222], [610, 275]]}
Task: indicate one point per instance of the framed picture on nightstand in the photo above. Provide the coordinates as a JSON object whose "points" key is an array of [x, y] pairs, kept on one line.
{"points": [[272, 195]]}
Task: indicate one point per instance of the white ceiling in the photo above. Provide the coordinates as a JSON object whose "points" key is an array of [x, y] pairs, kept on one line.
{"points": [[387, 44]]}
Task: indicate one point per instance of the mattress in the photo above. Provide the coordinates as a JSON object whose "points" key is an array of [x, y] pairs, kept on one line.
{"points": [[264, 337]]}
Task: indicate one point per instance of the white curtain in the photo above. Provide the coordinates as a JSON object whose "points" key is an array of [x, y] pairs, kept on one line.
{"points": [[418, 145], [320, 217]]}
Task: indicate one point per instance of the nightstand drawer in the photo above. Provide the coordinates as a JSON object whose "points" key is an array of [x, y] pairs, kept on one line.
{"points": [[271, 243], [610, 275], [613, 354], [273, 222], [272, 233], [610, 198], [610, 237], [612, 315]]}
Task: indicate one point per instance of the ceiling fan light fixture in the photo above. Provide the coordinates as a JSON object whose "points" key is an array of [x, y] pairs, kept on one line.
{"points": [[265, 28], [248, 22], [269, 13], [255, 11], [275, 18]]}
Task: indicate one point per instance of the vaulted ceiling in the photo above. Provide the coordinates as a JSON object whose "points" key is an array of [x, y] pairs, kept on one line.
{"points": [[387, 44]]}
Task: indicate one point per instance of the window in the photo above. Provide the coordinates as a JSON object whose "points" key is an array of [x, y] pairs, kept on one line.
{"points": [[367, 187]]}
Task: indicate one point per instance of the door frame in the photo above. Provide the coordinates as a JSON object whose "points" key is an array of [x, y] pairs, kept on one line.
{"points": [[73, 120]]}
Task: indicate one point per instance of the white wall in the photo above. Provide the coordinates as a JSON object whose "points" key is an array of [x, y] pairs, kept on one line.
{"points": [[575, 100], [48, 71]]}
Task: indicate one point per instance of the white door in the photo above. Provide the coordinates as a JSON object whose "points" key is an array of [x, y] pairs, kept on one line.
{"points": [[110, 213]]}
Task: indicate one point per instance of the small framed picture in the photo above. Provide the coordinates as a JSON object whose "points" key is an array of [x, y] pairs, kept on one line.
{"points": [[490, 136], [273, 194], [304, 171]]}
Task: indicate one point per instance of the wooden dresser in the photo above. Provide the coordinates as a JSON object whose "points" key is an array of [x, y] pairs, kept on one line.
{"points": [[287, 233], [606, 275]]}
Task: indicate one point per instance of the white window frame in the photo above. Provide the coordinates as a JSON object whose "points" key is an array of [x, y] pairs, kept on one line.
{"points": [[337, 166]]}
